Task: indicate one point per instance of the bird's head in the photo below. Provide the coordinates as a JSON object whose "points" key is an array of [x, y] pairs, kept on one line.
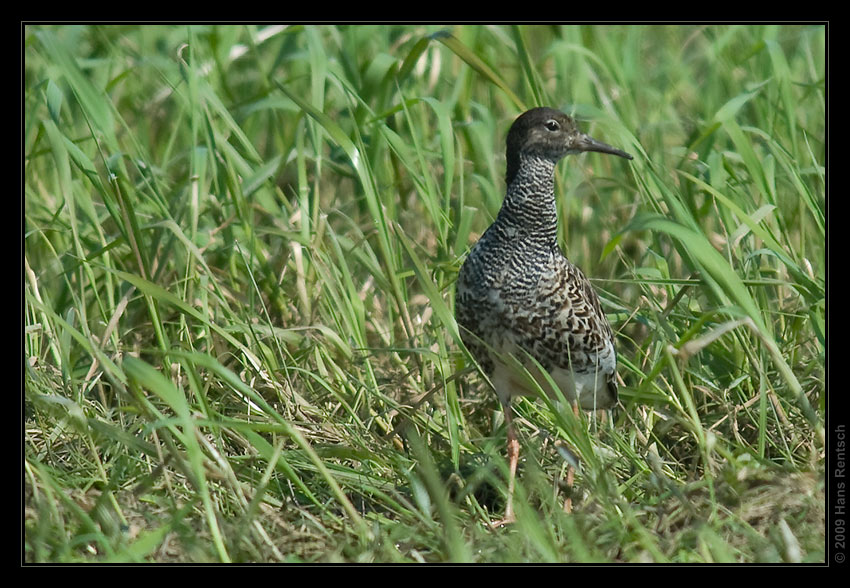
{"points": [[551, 134]]}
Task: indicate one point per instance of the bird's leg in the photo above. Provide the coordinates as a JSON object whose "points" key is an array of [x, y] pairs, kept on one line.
{"points": [[568, 501], [513, 458]]}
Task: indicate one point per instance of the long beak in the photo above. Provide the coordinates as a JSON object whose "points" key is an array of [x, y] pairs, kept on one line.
{"points": [[584, 142]]}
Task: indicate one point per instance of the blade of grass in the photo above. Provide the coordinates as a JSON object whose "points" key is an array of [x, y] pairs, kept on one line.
{"points": [[149, 378]]}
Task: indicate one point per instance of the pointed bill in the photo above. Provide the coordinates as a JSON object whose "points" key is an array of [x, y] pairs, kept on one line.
{"points": [[584, 142]]}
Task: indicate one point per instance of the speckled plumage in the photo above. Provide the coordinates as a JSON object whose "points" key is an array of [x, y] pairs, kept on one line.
{"points": [[517, 292]]}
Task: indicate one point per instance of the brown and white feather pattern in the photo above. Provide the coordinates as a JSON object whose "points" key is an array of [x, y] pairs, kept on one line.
{"points": [[517, 291]]}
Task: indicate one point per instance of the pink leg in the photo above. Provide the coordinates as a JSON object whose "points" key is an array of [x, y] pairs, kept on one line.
{"points": [[513, 458], [568, 503]]}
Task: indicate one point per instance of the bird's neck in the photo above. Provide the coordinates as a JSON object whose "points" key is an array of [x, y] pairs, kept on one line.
{"points": [[529, 203]]}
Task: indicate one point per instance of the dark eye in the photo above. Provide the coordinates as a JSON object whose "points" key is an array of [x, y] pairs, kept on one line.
{"points": [[552, 125]]}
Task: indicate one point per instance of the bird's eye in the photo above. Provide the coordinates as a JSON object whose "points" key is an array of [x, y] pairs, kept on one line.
{"points": [[552, 125]]}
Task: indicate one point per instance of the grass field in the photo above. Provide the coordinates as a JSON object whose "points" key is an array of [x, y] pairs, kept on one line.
{"points": [[240, 248]]}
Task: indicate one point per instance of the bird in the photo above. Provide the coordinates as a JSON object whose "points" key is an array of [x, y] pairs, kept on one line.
{"points": [[517, 295]]}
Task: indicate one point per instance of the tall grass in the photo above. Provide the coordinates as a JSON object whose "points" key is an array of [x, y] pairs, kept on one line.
{"points": [[240, 247]]}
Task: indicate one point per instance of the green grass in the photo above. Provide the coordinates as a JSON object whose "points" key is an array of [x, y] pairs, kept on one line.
{"points": [[240, 247]]}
